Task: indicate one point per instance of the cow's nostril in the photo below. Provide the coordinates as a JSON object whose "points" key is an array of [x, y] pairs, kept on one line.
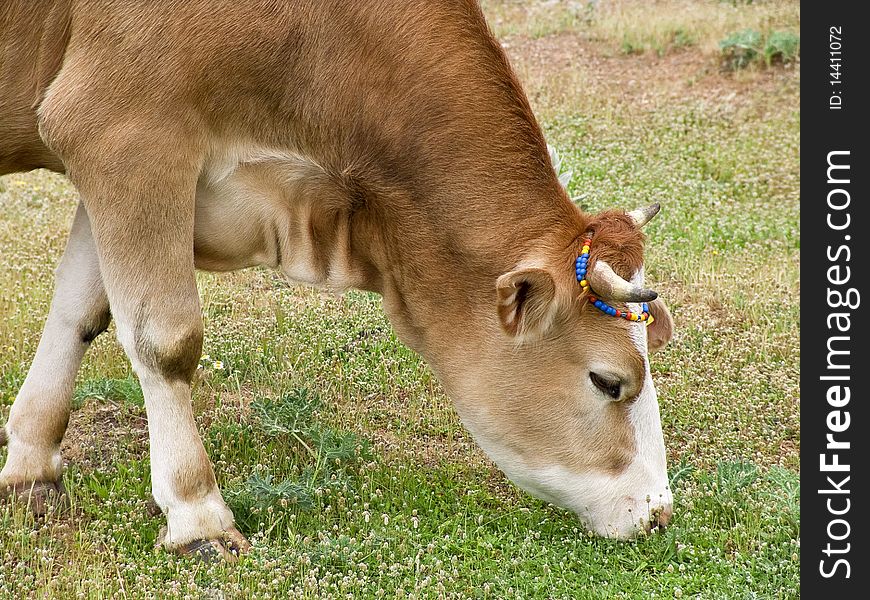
{"points": [[609, 384]]}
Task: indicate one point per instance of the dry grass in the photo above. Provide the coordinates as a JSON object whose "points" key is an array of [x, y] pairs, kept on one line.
{"points": [[642, 25]]}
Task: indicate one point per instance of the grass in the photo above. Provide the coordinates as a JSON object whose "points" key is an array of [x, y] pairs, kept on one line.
{"points": [[640, 26], [744, 48], [337, 449]]}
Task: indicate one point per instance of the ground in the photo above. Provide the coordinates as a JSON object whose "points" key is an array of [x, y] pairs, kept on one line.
{"points": [[335, 445]]}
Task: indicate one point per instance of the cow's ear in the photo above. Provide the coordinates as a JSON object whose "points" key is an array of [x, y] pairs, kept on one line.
{"points": [[526, 302], [661, 329]]}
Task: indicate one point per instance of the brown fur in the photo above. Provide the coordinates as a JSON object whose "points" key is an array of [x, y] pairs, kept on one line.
{"points": [[616, 240], [661, 329]]}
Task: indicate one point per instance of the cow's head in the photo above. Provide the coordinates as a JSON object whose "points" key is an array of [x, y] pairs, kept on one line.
{"points": [[559, 394]]}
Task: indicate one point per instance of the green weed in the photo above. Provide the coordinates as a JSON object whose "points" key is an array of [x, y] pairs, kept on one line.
{"points": [[744, 48]]}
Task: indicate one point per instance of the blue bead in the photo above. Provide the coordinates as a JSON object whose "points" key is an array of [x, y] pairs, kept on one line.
{"points": [[583, 258], [598, 304]]}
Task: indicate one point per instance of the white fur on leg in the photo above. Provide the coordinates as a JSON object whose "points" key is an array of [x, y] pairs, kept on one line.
{"points": [[207, 519], [34, 451], [177, 455], [40, 412], [29, 462]]}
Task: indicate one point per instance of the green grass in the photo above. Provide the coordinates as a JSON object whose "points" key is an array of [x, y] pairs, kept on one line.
{"points": [[747, 47], [336, 447]]}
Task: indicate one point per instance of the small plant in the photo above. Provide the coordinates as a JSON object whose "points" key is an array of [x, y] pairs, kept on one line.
{"points": [[630, 46], [289, 414], [740, 49], [109, 390], [682, 38], [319, 459], [564, 175], [743, 48], [782, 47]]}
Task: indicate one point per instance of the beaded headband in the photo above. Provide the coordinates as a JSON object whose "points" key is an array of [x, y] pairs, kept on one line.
{"points": [[580, 268]]}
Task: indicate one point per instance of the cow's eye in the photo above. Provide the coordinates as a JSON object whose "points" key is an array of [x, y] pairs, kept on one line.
{"points": [[608, 384]]}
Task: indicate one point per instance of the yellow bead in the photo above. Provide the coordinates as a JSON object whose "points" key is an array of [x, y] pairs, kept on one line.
{"points": [[583, 283], [650, 319], [584, 250]]}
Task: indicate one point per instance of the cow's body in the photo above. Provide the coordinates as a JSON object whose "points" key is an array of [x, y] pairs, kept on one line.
{"points": [[379, 145]]}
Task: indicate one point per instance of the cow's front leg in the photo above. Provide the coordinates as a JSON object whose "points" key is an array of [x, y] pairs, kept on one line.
{"points": [[146, 253], [141, 208], [38, 419]]}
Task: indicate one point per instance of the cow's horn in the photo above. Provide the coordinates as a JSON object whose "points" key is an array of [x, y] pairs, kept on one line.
{"points": [[642, 216], [606, 283]]}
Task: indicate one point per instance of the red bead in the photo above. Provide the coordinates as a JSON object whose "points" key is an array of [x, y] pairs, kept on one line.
{"points": [[618, 313]]}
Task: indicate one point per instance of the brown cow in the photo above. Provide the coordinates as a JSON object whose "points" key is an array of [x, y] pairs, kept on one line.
{"points": [[383, 145]]}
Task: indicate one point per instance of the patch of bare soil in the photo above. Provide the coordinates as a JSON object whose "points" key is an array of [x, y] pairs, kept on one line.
{"points": [[100, 433], [587, 67]]}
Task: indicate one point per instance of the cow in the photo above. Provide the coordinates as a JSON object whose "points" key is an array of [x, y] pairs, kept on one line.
{"points": [[385, 146]]}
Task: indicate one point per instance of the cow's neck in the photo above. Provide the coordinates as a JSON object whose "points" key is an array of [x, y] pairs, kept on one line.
{"points": [[445, 158], [432, 242], [440, 257], [432, 166]]}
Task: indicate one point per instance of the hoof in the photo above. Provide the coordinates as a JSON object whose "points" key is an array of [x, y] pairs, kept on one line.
{"points": [[226, 548], [40, 497]]}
